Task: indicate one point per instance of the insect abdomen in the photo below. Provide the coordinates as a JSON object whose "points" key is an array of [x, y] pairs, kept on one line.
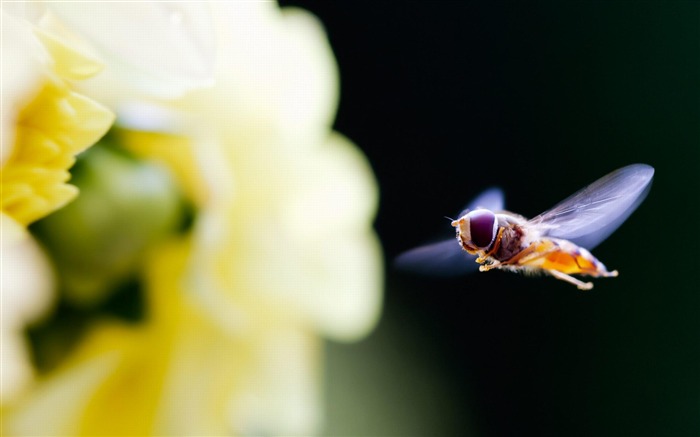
{"points": [[568, 258]]}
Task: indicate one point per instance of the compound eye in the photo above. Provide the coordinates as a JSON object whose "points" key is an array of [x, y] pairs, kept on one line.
{"points": [[482, 227]]}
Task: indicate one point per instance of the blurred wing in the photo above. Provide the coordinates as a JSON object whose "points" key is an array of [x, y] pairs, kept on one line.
{"points": [[444, 258], [491, 199], [447, 258], [592, 214]]}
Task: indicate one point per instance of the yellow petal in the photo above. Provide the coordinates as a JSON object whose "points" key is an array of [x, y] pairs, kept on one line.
{"points": [[48, 126], [50, 131], [69, 63], [176, 152]]}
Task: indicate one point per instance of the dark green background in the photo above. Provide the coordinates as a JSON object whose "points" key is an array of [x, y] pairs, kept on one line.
{"points": [[540, 98]]}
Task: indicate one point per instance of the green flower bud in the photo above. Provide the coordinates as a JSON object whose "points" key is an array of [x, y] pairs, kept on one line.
{"points": [[98, 241]]}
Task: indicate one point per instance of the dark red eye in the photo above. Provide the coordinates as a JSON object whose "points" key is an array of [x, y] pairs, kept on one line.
{"points": [[481, 227]]}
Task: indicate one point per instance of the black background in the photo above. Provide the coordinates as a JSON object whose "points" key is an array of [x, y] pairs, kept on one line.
{"points": [[448, 98]]}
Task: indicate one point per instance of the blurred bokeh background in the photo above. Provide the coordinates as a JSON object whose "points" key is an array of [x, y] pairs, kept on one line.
{"points": [[541, 99]]}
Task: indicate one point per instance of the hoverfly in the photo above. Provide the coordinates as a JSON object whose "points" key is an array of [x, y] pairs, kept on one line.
{"points": [[556, 242]]}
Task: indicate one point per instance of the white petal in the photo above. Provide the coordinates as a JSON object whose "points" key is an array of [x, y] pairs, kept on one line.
{"points": [[27, 280], [30, 11], [276, 73], [17, 371], [159, 48], [56, 405], [281, 397], [329, 221], [26, 287], [24, 63], [345, 300], [336, 285], [198, 379], [334, 190]]}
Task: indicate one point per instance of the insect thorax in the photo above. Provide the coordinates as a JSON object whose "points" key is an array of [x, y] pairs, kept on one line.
{"points": [[511, 242]]}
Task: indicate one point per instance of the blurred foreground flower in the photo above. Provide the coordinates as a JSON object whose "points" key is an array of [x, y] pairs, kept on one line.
{"points": [[281, 251], [44, 125]]}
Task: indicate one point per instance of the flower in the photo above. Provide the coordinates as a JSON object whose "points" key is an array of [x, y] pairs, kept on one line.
{"points": [[44, 125], [281, 252]]}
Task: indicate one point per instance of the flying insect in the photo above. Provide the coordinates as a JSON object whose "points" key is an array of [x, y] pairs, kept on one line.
{"points": [[556, 242]]}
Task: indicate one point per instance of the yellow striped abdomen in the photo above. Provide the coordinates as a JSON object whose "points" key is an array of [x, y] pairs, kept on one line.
{"points": [[566, 257]]}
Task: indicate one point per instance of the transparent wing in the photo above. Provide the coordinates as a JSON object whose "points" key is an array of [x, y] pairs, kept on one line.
{"points": [[444, 258], [491, 199], [589, 216]]}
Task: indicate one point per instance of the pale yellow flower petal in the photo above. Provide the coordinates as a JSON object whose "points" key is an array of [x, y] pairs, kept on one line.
{"points": [[176, 152], [297, 235], [26, 10], [295, 227], [111, 384], [282, 392], [27, 279], [70, 63], [15, 362], [55, 406], [334, 191], [262, 381], [326, 256], [337, 202], [153, 48], [24, 60], [276, 76], [179, 374], [26, 287]]}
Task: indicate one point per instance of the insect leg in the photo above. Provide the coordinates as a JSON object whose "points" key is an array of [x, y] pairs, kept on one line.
{"points": [[528, 253], [496, 246], [570, 279], [512, 260], [487, 267]]}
